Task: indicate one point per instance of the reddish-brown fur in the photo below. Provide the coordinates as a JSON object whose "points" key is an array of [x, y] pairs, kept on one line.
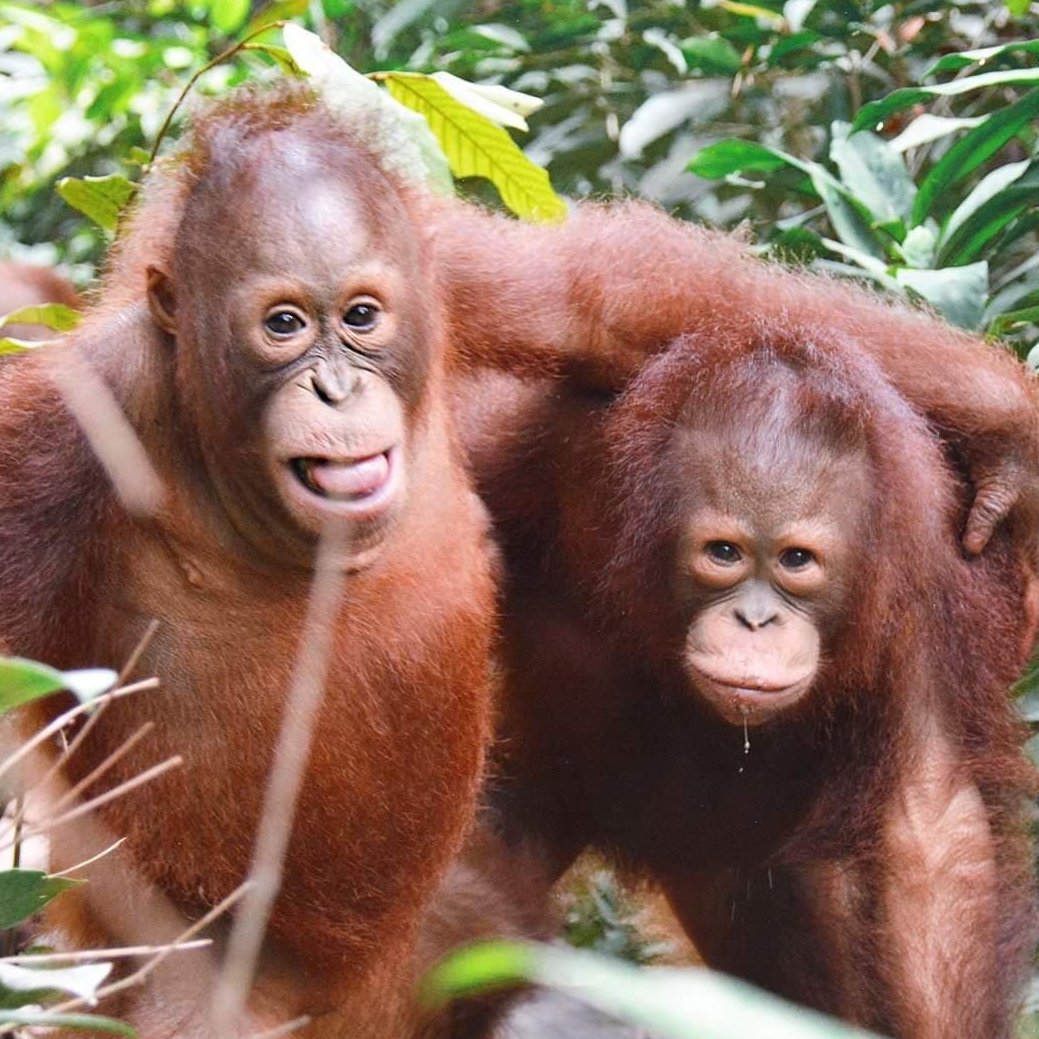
{"points": [[27, 285], [867, 855], [591, 299]]}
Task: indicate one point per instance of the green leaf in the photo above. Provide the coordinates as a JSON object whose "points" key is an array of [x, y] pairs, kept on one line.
{"points": [[713, 54], [400, 139], [52, 315], [734, 156], [873, 114], [997, 200], [971, 150], [100, 198], [957, 293], [772, 19], [10, 345], [22, 681], [276, 11], [86, 1022], [1025, 316], [26, 891], [280, 55], [476, 147], [926, 128], [477, 968], [852, 228], [919, 245], [691, 1003], [82, 981], [983, 55], [874, 173], [1018, 8], [868, 262], [228, 15]]}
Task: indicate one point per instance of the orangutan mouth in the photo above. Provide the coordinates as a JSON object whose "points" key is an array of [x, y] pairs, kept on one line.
{"points": [[345, 480]]}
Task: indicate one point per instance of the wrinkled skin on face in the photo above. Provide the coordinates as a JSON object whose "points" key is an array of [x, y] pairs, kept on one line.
{"points": [[301, 352], [764, 559]]}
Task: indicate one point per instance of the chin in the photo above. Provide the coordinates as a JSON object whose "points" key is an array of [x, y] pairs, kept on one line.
{"points": [[749, 705]]}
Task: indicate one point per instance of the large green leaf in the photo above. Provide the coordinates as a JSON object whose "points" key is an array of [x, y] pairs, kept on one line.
{"points": [[874, 173], [100, 198], [84, 1022], [874, 113], [926, 128], [995, 202], [845, 214], [22, 681], [735, 156], [849, 218], [26, 891], [476, 147], [971, 150], [673, 1004], [957, 293], [981, 56]]}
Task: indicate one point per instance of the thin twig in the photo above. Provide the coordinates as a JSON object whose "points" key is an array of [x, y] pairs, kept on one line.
{"points": [[138, 651], [89, 862], [59, 723], [118, 754], [283, 787], [109, 795], [81, 955], [85, 730], [218, 60], [112, 438], [19, 826], [165, 951]]}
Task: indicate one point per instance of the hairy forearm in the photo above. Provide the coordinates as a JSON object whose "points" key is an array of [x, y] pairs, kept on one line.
{"points": [[616, 283]]}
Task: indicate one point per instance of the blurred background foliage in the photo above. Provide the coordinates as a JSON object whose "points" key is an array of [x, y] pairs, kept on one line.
{"points": [[634, 92]]}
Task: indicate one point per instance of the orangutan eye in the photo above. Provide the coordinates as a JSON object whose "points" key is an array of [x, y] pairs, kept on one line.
{"points": [[796, 558], [724, 552], [284, 323], [362, 317]]}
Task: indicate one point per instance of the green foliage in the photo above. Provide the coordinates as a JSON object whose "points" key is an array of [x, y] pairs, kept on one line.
{"points": [[600, 918], [958, 249], [26, 891], [475, 147], [100, 198], [34, 1017], [22, 681]]}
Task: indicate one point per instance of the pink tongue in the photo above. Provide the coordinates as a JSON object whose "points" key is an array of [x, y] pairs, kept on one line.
{"points": [[345, 480]]}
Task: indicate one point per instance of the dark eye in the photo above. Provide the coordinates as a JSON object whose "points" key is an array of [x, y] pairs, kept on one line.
{"points": [[362, 316], [284, 323], [724, 552], [796, 558]]}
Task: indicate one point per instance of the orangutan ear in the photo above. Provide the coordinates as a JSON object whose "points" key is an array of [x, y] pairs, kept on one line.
{"points": [[162, 300]]}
